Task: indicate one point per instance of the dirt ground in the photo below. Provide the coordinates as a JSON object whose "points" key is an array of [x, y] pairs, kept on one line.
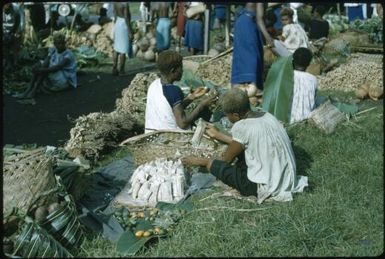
{"points": [[48, 122]]}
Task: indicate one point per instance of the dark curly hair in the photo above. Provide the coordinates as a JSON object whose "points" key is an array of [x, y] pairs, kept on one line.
{"points": [[287, 12], [169, 60], [302, 57]]}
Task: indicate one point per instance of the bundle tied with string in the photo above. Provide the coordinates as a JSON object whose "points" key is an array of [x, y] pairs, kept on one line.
{"points": [[26, 176]]}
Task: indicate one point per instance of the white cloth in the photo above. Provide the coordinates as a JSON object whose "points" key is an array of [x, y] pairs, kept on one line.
{"points": [[269, 157], [295, 37], [305, 86], [121, 39], [159, 114]]}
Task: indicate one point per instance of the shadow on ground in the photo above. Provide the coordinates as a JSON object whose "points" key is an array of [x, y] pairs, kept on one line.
{"points": [[48, 122]]}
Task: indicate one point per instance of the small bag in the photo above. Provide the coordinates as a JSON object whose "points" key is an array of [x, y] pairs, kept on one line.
{"points": [[194, 10]]}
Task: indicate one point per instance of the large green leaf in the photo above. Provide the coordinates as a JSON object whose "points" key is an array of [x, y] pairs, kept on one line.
{"points": [[129, 244], [278, 89]]}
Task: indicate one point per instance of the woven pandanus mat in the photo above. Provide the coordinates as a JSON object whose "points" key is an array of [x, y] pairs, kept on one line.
{"points": [[26, 176]]}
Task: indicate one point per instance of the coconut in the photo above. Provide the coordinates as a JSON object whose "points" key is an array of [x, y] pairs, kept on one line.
{"points": [[149, 55], [213, 52], [144, 44], [94, 29], [375, 92], [139, 54], [365, 87], [153, 41]]}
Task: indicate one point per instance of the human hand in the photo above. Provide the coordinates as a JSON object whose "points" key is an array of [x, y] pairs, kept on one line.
{"points": [[211, 130], [209, 100], [198, 92]]}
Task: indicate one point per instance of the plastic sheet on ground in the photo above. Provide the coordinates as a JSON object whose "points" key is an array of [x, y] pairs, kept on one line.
{"points": [[96, 206]]}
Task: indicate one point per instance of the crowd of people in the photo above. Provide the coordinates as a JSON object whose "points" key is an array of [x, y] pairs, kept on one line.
{"points": [[259, 159]]}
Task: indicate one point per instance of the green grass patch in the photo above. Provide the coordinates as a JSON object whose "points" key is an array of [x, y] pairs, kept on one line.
{"points": [[340, 214]]}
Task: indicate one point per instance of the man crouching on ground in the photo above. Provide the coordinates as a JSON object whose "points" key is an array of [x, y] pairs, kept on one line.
{"points": [[266, 164], [58, 70], [165, 107]]}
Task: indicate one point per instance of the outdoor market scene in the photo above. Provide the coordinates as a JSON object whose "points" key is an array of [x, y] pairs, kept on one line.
{"points": [[190, 129]]}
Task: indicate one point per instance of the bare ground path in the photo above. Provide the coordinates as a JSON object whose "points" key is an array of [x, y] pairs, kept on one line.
{"points": [[47, 122]]}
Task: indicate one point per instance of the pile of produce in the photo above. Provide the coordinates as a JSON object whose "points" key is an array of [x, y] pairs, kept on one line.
{"points": [[96, 132], [336, 23], [144, 45], [171, 145], [40, 217], [133, 100], [358, 70], [158, 180], [372, 26], [217, 71]]}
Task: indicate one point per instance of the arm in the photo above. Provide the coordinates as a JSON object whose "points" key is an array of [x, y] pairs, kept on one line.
{"points": [[214, 133], [261, 24], [231, 152], [55, 68], [184, 120]]}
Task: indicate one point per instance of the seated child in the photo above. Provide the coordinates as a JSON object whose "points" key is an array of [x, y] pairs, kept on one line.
{"points": [[293, 35], [305, 86], [266, 164], [166, 102], [318, 28], [58, 70]]}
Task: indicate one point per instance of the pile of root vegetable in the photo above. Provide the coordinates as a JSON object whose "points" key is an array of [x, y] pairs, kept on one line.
{"points": [[96, 132], [358, 70], [96, 36], [217, 71]]}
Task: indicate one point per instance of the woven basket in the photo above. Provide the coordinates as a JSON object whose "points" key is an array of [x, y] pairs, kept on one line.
{"points": [[26, 176], [171, 145]]}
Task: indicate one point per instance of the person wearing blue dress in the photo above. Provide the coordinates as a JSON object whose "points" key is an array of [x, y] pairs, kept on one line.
{"points": [[247, 64]]}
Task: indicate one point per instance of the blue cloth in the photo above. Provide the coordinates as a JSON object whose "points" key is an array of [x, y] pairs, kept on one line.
{"points": [[163, 32], [67, 75], [278, 24], [173, 94], [194, 34], [122, 43], [247, 65], [220, 12], [355, 12]]}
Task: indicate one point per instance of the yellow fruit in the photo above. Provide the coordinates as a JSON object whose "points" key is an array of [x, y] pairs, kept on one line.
{"points": [[146, 234], [141, 214], [139, 233], [157, 230]]}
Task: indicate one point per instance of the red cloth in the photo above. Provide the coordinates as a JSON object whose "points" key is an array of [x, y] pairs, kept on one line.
{"points": [[181, 19]]}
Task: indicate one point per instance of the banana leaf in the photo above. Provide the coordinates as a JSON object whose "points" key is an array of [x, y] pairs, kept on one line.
{"points": [[278, 90], [34, 241]]}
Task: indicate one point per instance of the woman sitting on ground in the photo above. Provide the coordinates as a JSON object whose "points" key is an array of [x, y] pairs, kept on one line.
{"points": [[266, 164], [56, 73]]}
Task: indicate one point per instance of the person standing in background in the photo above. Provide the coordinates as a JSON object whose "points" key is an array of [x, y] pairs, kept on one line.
{"points": [[318, 27], [194, 31], [180, 23], [247, 63], [122, 36], [11, 35], [163, 27]]}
